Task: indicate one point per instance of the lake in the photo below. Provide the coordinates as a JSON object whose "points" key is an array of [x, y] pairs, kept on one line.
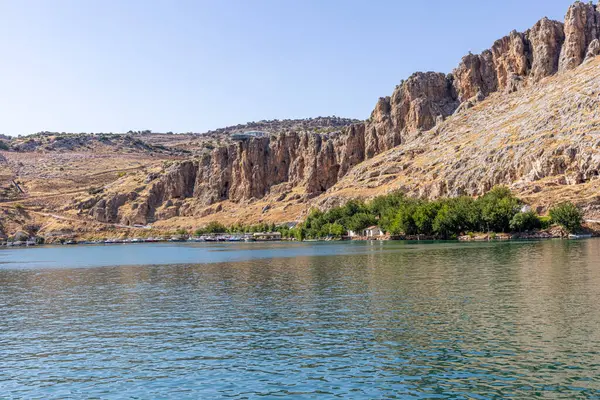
{"points": [[302, 320]]}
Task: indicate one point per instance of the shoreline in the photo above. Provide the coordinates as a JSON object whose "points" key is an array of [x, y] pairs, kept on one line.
{"points": [[461, 239]]}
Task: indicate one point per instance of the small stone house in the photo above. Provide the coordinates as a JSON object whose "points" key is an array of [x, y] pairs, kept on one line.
{"points": [[267, 236], [373, 231]]}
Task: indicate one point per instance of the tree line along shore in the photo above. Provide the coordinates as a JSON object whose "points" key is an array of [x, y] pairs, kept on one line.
{"points": [[397, 216]]}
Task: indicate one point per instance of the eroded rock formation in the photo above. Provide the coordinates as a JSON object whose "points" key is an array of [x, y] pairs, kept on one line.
{"points": [[581, 28]]}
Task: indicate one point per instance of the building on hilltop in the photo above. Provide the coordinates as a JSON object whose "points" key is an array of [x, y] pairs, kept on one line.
{"points": [[247, 135]]}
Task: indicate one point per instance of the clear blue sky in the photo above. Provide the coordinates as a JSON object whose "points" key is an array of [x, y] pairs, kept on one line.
{"points": [[116, 65]]}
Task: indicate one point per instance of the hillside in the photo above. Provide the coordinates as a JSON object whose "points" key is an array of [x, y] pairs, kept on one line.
{"points": [[523, 113], [542, 141]]}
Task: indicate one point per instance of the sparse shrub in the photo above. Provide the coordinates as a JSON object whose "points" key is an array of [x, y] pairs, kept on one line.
{"points": [[4, 145], [568, 216], [121, 174], [19, 207]]}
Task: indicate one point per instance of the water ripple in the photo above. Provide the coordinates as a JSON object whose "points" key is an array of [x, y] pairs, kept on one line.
{"points": [[395, 321]]}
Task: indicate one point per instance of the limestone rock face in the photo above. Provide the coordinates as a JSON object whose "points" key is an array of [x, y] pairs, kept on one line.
{"points": [[353, 152], [545, 42], [417, 103], [106, 210], [593, 49], [510, 61], [510, 55], [581, 28], [475, 73], [379, 130]]}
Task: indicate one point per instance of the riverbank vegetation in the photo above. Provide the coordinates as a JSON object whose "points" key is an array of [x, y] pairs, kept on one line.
{"points": [[397, 215]]}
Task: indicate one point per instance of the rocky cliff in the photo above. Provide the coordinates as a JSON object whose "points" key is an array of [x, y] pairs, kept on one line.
{"points": [[305, 165]]}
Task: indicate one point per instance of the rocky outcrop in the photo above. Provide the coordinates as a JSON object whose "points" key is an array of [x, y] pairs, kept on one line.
{"points": [[593, 49], [520, 58], [545, 42], [314, 162], [581, 28], [511, 58], [475, 74], [107, 210]]}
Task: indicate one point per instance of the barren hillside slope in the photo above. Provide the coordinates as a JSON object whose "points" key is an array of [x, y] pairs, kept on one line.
{"points": [[543, 141]]}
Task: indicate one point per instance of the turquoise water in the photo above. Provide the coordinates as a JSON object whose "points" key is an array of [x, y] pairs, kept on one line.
{"points": [[332, 320]]}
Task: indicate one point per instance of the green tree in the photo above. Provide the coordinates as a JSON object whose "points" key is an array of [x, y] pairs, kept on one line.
{"points": [[424, 215], [525, 221], [211, 227], [445, 223], [298, 232], [568, 216], [335, 230], [360, 221], [498, 207], [403, 222], [181, 231]]}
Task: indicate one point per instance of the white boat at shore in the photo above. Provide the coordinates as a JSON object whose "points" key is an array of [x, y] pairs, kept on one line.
{"points": [[580, 236]]}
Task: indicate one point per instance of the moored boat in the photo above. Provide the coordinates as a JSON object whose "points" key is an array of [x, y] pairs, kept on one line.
{"points": [[580, 236]]}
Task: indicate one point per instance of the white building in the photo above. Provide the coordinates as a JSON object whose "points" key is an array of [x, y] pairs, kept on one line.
{"points": [[373, 231]]}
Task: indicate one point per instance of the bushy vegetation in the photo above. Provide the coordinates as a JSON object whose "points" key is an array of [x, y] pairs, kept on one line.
{"points": [[399, 215], [568, 216], [525, 221], [217, 227], [396, 214], [3, 145], [212, 227]]}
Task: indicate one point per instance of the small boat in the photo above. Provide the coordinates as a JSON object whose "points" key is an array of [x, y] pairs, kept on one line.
{"points": [[580, 236]]}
